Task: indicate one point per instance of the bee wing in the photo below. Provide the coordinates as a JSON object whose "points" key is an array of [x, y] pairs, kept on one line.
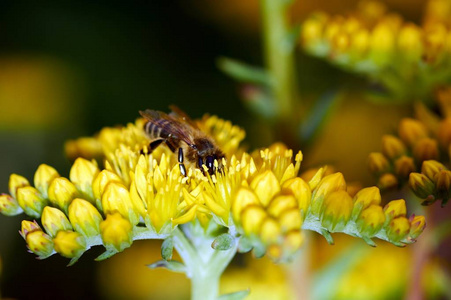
{"points": [[181, 115], [176, 128]]}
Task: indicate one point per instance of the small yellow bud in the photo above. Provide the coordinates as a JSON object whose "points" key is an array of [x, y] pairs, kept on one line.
{"points": [[360, 43], [69, 244], [411, 131], [312, 29], [281, 203], [337, 208], [398, 229], [395, 209], [39, 243], [378, 163], [426, 149], [392, 147], [387, 181], [270, 231], [371, 221], [364, 198], [117, 232], [43, 178], [301, 191], [62, 192], [88, 147], [101, 181], [27, 227], [443, 184], [54, 220], [116, 198], [243, 198], [265, 186], [404, 166], [421, 185], [410, 42], [82, 174], [31, 201], [16, 182], [444, 133], [293, 241], [382, 44], [274, 252], [431, 167], [290, 220], [417, 225], [251, 219], [329, 184], [9, 206], [84, 217]]}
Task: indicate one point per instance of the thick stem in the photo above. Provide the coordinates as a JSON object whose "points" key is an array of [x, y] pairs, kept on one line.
{"points": [[204, 265], [279, 55]]}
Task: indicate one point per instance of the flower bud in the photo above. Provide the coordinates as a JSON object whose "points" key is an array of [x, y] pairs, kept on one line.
{"points": [[265, 186], [370, 221], [312, 30], [417, 225], [116, 232], [69, 244], [337, 208], [293, 241], [27, 227], [31, 201], [404, 166], [16, 182], [382, 44], [443, 184], [378, 163], [392, 147], [398, 229], [425, 149], [444, 133], [301, 191], [84, 217], [431, 167], [43, 178], [54, 220], [101, 181], [9, 206], [39, 243], [410, 42], [329, 184], [364, 198], [82, 175], [243, 198], [411, 131], [421, 185], [394, 209], [116, 198], [290, 220], [281, 203], [270, 231], [387, 181], [252, 218], [62, 192]]}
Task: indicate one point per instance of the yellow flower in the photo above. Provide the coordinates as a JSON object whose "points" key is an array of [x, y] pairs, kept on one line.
{"points": [[69, 244], [116, 232], [31, 201], [84, 217], [43, 178], [61, 192], [82, 175], [39, 243], [54, 220]]}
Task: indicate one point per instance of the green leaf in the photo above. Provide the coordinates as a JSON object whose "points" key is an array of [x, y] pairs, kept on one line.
{"points": [[105, 255], [173, 265], [235, 296], [223, 242], [259, 101], [167, 247], [243, 72], [327, 236]]}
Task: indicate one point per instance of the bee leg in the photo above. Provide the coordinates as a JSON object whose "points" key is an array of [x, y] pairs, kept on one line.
{"points": [[181, 165], [152, 146]]}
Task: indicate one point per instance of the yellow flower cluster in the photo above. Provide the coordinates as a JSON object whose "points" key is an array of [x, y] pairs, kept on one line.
{"points": [[406, 58], [259, 197], [421, 145]]}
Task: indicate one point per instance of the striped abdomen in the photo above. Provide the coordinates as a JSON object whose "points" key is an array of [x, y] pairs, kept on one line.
{"points": [[159, 129]]}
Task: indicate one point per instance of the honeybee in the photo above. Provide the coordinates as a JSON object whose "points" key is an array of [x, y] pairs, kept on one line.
{"points": [[182, 134]]}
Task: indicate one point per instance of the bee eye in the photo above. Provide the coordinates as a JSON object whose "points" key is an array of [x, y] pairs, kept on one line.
{"points": [[209, 162]]}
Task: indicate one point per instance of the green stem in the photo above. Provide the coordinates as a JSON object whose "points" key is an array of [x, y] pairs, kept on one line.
{"points": [[204, 265], [279, 55]]}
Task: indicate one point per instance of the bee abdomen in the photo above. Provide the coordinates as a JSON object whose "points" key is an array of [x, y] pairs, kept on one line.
{"points": [[159, 129]]}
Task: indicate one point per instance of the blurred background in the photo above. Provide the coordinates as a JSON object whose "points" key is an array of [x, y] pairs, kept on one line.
{"points": [[68, 68]]}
